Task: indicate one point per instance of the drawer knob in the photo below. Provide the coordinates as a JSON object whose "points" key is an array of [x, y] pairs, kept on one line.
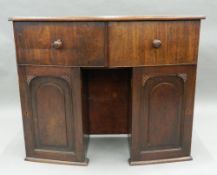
{"points": [[57, 44], [156, 43]]}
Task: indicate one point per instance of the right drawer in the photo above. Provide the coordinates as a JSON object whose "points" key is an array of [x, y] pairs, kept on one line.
{"points": [[132, 43]]}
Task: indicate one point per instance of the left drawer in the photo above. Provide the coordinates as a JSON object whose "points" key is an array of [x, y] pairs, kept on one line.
{"points": [[60, 43]]}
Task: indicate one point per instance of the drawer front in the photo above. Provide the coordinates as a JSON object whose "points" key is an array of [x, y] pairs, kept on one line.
{"points": [[60, 43], [132, 43]]}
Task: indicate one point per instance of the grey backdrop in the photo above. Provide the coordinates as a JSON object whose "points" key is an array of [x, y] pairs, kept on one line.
{"points": [[204, 139]]}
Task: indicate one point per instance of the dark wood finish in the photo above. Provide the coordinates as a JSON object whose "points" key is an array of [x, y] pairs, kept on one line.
{"points": [[107, 75], [162, 109], [108, 99], [147, 162], [130, 43], [52, 125], [108, 18], [82, 43]]}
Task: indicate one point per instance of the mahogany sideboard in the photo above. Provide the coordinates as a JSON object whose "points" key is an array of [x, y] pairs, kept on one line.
{"points": [[107, 75]]}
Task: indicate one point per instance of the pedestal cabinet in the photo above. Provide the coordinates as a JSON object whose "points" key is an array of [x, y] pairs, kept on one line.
{"points": [[162, 113], [107, 75]]}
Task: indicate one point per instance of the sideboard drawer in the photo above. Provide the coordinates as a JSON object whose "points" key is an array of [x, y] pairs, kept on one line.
{"points": [[63, 43], [132, 43]]}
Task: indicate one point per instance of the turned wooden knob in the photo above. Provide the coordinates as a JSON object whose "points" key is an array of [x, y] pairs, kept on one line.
{"points": [[156, 43], [57, 44]]}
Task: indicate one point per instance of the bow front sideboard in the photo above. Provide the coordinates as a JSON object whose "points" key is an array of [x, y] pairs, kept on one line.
{"points": [[107, 75]]}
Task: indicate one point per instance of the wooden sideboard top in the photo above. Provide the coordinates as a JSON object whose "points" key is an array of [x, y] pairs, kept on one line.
{"points": [[108, 18]]}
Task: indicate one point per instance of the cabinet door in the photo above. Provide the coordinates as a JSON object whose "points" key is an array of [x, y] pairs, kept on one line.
{"points": [[52, 115], [162, 112]]}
